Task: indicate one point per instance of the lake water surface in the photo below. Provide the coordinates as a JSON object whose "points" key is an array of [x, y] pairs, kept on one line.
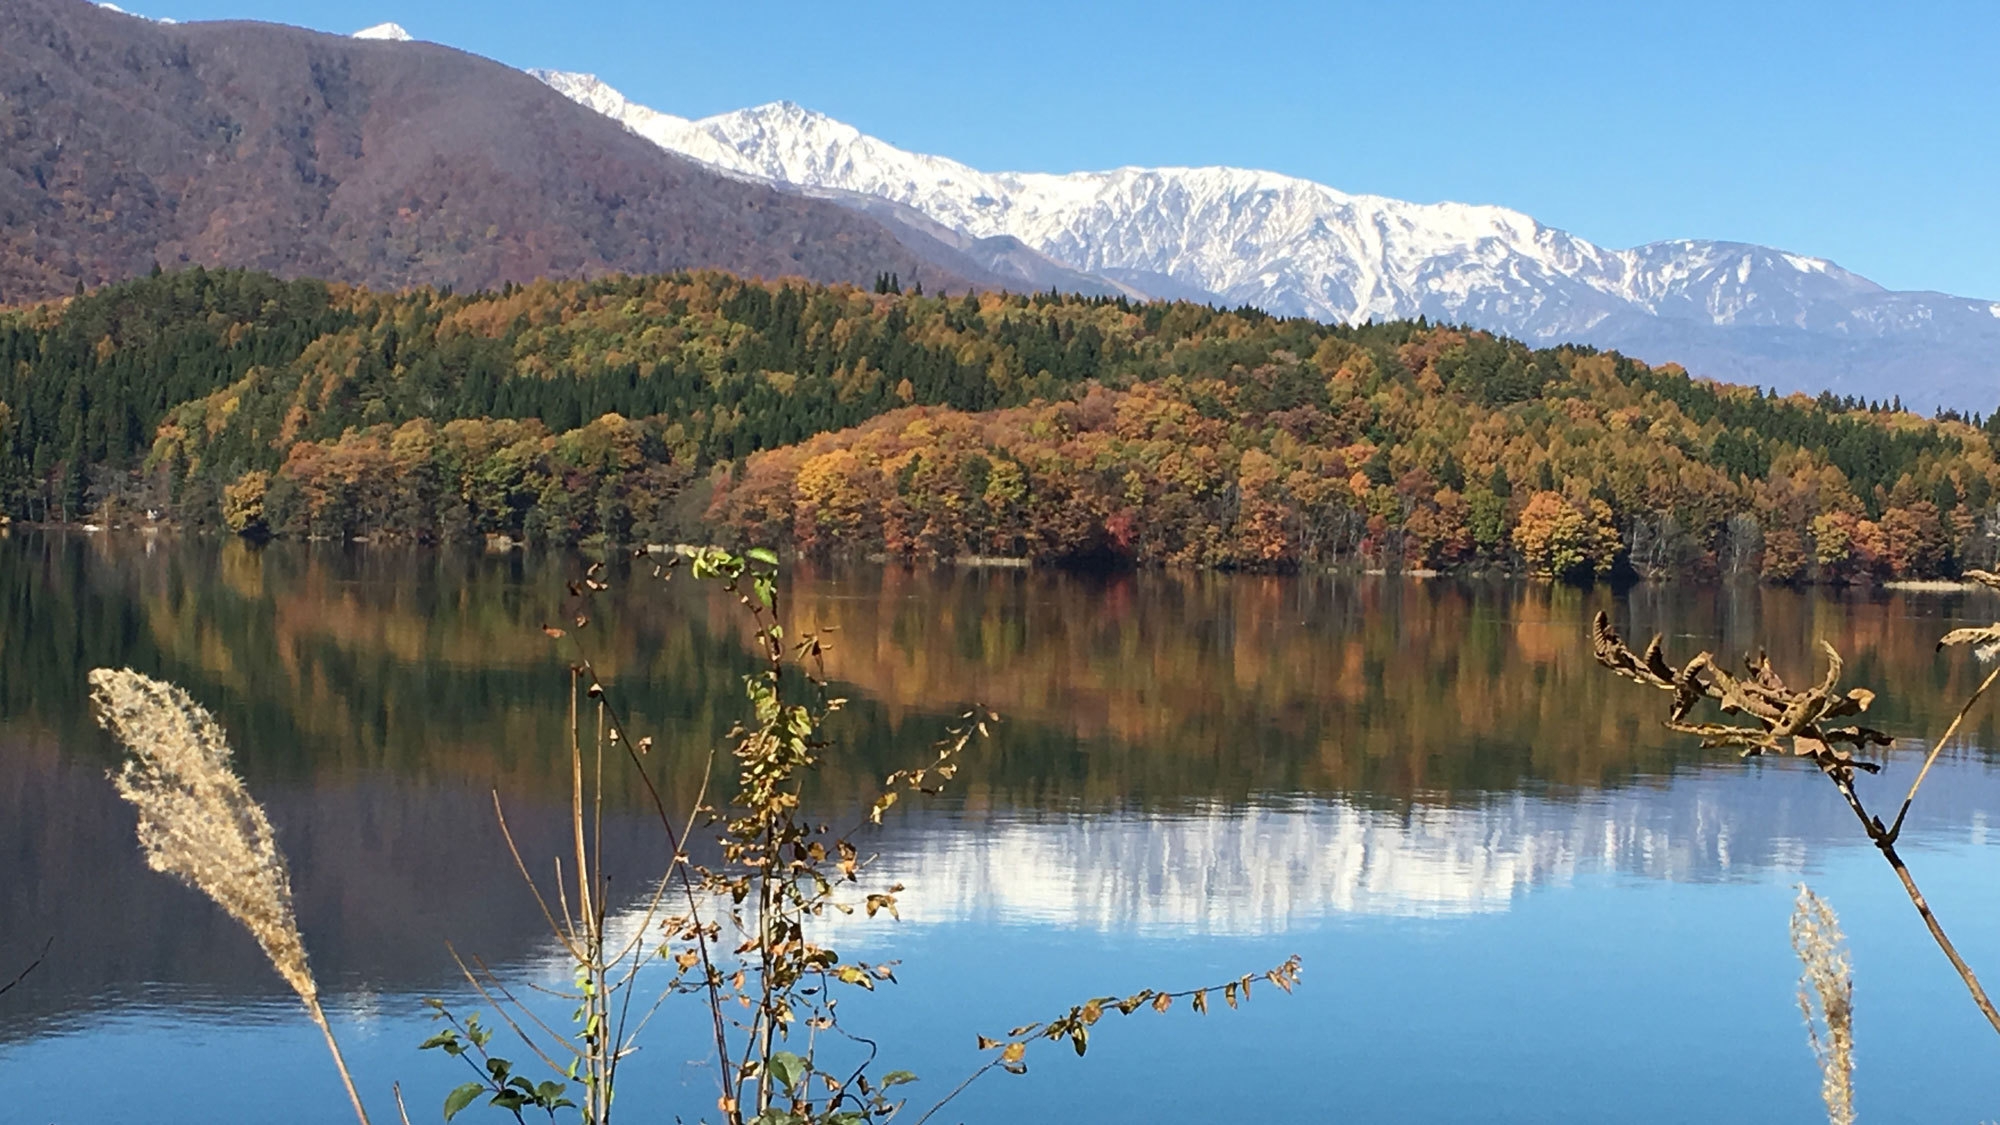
{"points": [[1518, 899]]}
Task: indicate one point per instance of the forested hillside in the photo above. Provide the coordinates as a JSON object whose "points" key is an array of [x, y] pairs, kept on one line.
{"points": [[933, 425], [125, 142]]}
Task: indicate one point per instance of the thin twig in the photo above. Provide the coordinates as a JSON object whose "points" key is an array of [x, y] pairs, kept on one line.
{"points": [[960, 1089], [500, 988], [874, 1049], [32, 966], [339, 1062], [1897, 828], [583, 866], [678, 864], [508, 835], [1888, 849], [562, 900], [501, 1009], [1937, 932]]}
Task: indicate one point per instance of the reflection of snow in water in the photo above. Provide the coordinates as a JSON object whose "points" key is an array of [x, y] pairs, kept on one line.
{"points": [[1269, 867], [1258, 870]]}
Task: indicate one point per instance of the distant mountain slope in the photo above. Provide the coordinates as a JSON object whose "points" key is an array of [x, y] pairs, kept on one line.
{"points": [[125, 141], [1294, 247], [1001, 260]]}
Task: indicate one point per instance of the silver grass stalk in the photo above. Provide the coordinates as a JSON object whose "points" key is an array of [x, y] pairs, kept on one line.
{"points": [[198, 823], [1826, 997]]}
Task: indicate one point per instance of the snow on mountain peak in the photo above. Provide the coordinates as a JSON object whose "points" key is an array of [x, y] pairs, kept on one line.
{"points": [[1312, 250], [1299, 248], [585, 89], [1246, 236], [110, 7], [675, 134], [392, 32]]}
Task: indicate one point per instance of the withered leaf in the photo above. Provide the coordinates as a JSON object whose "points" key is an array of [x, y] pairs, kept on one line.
{"points": [[1984, 578], [1982, 636]]}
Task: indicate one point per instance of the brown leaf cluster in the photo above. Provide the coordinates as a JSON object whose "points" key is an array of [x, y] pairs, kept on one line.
{"points": [[1771, 716]]}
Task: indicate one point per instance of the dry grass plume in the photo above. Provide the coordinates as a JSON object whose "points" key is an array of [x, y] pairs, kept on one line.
{"points": [[1826, 997], [198, 823]]}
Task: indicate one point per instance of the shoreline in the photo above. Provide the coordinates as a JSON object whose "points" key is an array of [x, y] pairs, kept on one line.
{"points": [[502, 544]]}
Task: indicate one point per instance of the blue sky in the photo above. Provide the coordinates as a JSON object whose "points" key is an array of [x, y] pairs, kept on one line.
{"points": [[1868, 134]]}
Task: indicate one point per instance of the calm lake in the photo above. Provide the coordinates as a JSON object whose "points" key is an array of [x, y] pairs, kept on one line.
{"points": [[1518, 899]]}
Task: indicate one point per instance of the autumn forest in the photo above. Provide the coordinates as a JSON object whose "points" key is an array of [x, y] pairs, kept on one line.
{"points": [[1044, 427]]}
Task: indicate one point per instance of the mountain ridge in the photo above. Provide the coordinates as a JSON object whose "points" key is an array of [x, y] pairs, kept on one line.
{"points": [[127, 142], [1295, 247]]}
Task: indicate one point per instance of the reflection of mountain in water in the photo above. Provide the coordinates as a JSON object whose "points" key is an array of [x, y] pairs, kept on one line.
{"points": [[1273, 867], [387, 873]]}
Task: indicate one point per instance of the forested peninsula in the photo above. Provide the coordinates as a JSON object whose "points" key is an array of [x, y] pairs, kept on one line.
{"points": [[1041, 427]]}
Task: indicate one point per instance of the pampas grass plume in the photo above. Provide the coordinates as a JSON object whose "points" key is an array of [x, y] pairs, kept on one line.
{"points": [[199, 824], [1826, 996]]}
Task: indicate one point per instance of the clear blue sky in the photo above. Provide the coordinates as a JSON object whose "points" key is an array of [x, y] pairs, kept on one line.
{"points": [[1865, 133]]}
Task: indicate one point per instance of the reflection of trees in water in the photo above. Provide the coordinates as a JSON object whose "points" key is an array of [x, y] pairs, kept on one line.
{"points": [[1135, 688], [1384, 688]]}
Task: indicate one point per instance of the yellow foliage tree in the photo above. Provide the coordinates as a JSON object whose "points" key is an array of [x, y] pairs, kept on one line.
{"points": [[1560, 540], [243, 502]]}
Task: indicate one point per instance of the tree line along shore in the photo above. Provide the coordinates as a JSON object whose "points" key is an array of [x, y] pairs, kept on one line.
{"points": [[1039, 427]]}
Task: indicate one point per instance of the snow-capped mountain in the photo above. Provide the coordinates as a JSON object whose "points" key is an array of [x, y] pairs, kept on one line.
{"points": [[1295, 247], [110, 7], [676, 134], [393, 32]]}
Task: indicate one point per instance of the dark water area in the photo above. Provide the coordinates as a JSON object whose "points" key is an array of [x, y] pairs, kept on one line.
{"points": [[1518, 898]]}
